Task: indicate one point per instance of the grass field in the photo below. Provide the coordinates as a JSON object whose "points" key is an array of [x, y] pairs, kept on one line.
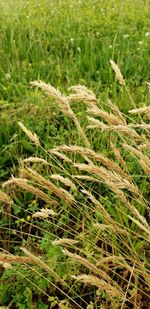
{"points": [[74, 163]]}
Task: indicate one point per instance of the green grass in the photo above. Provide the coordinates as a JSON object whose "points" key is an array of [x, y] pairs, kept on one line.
{"points": [[67, 43]]}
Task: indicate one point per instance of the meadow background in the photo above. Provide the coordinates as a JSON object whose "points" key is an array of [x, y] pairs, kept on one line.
{"points": [[65, 43]]}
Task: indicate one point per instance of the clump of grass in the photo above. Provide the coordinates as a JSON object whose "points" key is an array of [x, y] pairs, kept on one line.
{"points": [[92, 203]]}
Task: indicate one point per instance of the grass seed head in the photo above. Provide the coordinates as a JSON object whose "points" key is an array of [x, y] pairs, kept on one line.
{"points": [[118, 73]]}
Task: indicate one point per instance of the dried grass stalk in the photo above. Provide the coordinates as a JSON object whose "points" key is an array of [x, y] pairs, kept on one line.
{"points": [[96, 124], [116, 184], [55, 94], [5, 198], [118, 73], [101, 284], [144, 146], [32, 136]]}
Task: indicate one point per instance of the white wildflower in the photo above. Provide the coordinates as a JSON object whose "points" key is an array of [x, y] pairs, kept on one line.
{"points": [[44, 213], [126, 36], [147, 33]]}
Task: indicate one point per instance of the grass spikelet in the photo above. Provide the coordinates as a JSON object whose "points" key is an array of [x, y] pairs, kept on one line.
{"points": [[35, 160], [109, 177], [144, 159], [61, 193], [44, 213], [99, 206], [112, 259], [127, 130], [8, 183], [65, 180], [5, 198], [60, 155], [9, 258], [89, 178], [50, 90], [43, 265], [112, 226], [116, 111], [120, 159], [95, 123], [110, 164], [64, 241], [142, 110], [82, 94], [32, 136], [87, 264], [101, 284], [144, 227], [118, 73], [64, 105], [23, 184], [108, 117]]}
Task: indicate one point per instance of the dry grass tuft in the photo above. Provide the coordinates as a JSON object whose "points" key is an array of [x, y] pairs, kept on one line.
{"points": [[102, 214]]}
